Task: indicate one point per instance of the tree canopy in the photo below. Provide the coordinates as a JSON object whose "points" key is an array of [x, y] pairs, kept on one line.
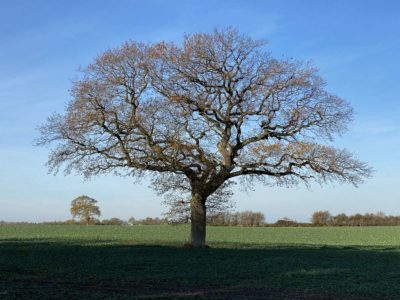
{"points": [[200, 114], [85, 208]]}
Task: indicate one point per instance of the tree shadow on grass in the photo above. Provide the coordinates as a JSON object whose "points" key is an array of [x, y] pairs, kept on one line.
{"points": [[86, 269]]}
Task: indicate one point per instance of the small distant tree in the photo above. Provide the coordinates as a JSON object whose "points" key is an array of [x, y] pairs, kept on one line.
{"points": [[132, 221], [340, 220], [380, 218], [321, 218], [85, 209], [247, 218], [286, 222], [258, 218], [356, 220]]}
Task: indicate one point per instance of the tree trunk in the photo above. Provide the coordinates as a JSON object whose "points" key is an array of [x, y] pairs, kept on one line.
{"points": [[198, 221]]}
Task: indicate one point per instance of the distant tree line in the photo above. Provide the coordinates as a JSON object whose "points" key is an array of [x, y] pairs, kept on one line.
{"points": [[112, 221], [324, 218], [246, 219], [286, 222], [148, 221]]}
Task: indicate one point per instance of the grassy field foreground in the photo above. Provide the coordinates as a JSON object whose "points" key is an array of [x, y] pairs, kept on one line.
{"points": [[148, 262]]}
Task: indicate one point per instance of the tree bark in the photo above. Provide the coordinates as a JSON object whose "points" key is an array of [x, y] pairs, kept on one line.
{"points": [[198, 221]]}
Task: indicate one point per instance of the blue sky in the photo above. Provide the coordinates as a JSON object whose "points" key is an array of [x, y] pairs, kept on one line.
{"points": [[355, 44]]}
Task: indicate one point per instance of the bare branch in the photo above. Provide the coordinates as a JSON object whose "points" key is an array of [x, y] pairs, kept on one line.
{"points": [[198, 114]]}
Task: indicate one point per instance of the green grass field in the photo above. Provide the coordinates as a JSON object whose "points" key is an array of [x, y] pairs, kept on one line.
{"points": [[149, 262]]}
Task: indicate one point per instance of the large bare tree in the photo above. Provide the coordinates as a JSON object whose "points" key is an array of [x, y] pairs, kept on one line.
{"points": [[199, 114]]}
